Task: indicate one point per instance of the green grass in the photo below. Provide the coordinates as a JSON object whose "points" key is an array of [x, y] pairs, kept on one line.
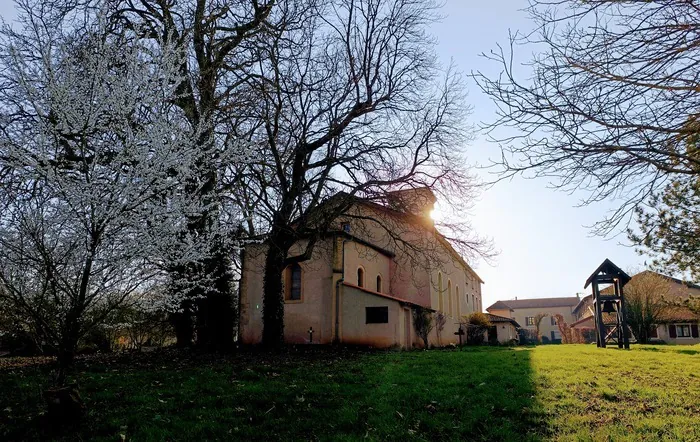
{"points": [[544, 393]]}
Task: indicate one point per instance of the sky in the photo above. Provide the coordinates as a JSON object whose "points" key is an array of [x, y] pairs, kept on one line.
{"points": [[545, 247]]}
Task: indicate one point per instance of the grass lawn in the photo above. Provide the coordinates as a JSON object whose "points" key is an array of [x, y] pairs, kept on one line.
{"points": [[556, 392]]}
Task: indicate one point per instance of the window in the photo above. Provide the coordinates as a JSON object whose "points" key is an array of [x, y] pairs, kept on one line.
{"points": [[653, 333], [449, 297], [683, 331], [377, 315], [530, 320], [379, 283], [553, 320], [440, 303], [459, 301], [346, 228], [360, 277], [292, 286]]}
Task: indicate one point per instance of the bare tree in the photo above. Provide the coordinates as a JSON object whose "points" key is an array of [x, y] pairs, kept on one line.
{"points": [[440, 321], [538, 322], [423, 324], [353, 106], [644, 303], [564, 329], [612, 102]]}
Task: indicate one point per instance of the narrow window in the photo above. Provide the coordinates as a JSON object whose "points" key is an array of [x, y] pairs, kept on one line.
{"points": [[459, 302], [449, 297], [377, 315], [360, 277], [293, 283], [440, 303], [554, 320], [379, 283]]}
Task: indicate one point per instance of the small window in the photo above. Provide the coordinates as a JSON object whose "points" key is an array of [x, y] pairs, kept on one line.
{"points": [[683, 331], [360, 277], [379, 283], [346, 228], [530, 320], [377, 315], [553, 320], [293, 283]]}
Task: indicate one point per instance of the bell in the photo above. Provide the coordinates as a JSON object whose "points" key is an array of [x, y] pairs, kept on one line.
{"points": [[608, 307]]}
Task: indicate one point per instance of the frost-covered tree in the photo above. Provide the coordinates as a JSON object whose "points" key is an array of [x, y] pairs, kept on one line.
{"points": [[99, 173]]}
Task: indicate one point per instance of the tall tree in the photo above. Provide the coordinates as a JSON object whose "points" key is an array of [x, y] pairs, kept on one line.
{"points": [[538, 323], [644, 303], [215, 38], [352, 101], [94, 160], [613, 89], [668, 227]]}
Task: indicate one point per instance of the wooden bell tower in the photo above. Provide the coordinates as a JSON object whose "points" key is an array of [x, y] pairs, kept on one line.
{"points": [[609, 306]]}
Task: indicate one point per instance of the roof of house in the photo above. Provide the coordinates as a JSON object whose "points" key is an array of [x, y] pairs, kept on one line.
{"points": [[569, 301], [499, 305], [676, 314], [501, 319], [385, 295], [582, 302]]}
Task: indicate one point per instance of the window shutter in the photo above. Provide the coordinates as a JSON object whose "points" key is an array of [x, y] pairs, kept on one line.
{"points": [[672, 330], [694, 330]]}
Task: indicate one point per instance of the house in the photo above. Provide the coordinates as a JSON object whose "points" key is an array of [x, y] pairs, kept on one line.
{"points": [[523, 311], [379, 263], [678, 326], [503, 330]]}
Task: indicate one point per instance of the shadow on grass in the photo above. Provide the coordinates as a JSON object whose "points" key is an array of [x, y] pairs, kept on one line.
{"points": [[474, 394], [689, 352]]}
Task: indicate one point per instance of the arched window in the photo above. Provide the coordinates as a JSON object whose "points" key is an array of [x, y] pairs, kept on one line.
{"points": [[449, 296], [292, 286], [459, 302], [440, 303], [379, 283], [360, 277]]}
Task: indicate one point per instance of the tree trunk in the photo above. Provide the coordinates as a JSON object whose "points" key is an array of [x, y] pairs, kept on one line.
{"points": [[215, 312], [183, 326], [273, 299]]}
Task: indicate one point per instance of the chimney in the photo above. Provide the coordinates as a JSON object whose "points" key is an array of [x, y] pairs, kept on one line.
{"points": [[419, 201]]}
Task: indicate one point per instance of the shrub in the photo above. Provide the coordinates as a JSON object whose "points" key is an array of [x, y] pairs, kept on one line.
{"points": [[476, 325]]}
